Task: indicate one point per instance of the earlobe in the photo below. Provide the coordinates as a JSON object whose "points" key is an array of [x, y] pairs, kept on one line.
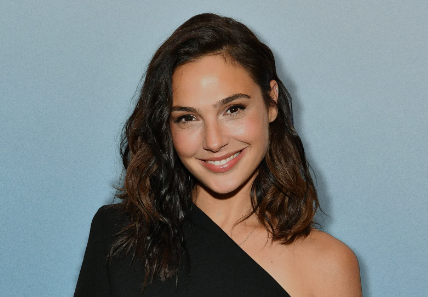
{"points": [[273, 113], [273, 108]]}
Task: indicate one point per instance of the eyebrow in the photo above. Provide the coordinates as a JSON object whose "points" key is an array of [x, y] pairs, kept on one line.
{"points": [[217, 104]]}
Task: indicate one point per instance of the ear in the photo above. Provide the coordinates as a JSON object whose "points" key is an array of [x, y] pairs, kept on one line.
{"points": [[273, 108]]}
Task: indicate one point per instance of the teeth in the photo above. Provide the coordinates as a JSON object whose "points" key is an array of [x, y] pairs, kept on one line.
{"points": [[222, 162]]}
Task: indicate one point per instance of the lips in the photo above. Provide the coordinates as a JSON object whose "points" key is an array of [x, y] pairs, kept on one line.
{"points": [[223, 163]]}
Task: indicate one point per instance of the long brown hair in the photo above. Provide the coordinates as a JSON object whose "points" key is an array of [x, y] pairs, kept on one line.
{"points": [[157, 188]]}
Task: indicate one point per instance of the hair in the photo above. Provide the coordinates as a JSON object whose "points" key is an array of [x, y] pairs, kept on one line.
{"points": [[157, 189]]}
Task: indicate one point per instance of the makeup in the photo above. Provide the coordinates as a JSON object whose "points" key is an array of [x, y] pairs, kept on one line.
{"points": [[223, 164]]}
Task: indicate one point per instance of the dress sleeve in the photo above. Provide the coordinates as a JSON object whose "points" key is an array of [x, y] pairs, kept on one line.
{"points": [[94, 278]]}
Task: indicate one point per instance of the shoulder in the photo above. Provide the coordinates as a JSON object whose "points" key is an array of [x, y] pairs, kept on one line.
{"points": [[331, 266], [109, 220]]}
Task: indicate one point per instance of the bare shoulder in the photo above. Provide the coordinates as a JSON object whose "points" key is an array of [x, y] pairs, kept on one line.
{"points": [[331, 266]]}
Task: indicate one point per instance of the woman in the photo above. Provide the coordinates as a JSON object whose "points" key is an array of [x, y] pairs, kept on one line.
{"points": [[217, 199]]}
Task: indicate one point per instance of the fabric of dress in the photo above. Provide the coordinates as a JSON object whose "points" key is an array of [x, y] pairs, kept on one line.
{"points": [[217, 266]]}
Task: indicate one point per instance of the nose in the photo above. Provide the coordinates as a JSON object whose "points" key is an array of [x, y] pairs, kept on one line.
{"points": [[215, 137]]}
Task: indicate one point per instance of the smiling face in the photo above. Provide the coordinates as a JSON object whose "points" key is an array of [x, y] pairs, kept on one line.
{"points": [[219, 122]]}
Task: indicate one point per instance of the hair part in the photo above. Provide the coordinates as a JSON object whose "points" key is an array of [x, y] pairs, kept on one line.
{"points": [[157, 190]]}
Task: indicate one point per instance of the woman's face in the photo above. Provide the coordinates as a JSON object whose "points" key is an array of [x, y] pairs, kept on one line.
{"points": [[219, 122]]}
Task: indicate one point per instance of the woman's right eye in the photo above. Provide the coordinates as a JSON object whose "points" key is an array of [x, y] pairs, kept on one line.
{"points": [[185, 118]]}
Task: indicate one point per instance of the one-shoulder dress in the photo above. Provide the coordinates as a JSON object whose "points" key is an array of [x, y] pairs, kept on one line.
{"points": [[217, 266]]}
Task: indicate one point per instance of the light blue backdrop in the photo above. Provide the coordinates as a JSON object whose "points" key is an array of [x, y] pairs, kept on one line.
{"points": [[358, 72]]}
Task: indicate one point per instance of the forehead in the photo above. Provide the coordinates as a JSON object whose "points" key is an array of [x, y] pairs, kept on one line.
{"points": [[209, 79]]}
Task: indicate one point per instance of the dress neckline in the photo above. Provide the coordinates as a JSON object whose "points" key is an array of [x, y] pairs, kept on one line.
{"points": [[203, 221]]}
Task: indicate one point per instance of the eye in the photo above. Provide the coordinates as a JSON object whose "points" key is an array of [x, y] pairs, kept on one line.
{"points": [[185, 118], [235, 109]]}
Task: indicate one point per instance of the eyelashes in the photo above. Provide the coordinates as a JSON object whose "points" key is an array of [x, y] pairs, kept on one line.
{"points": [[235, 109], [184, 118]]}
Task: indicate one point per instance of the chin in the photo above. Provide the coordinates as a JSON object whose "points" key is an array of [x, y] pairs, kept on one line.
{"points": [[217, 188], [226, 188]]}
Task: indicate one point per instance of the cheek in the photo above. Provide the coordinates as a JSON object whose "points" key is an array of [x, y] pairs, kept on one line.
{"points": [[185, 143], [254, 129]]}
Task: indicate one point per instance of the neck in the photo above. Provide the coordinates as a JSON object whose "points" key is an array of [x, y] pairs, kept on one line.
{"points": [[224, 209]]}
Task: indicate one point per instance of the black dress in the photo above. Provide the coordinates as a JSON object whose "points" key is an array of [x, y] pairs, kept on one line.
{"points": [[217, 265]]}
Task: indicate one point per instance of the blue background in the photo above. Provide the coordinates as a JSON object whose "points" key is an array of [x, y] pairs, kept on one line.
{"points": [[358, 73]]}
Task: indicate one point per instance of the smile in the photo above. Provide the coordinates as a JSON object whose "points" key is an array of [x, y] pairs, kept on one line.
{"points": [[224, 161], [219, 165]]}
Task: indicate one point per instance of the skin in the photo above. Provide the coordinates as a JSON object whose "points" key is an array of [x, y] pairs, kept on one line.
{"points": [[218, 111]]}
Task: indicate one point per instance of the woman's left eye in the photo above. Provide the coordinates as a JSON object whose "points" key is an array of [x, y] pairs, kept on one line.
{"points": [[235, 109]]}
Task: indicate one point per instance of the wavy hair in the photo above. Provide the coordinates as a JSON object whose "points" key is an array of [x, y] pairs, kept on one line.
{"points": [[157, 189]]}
